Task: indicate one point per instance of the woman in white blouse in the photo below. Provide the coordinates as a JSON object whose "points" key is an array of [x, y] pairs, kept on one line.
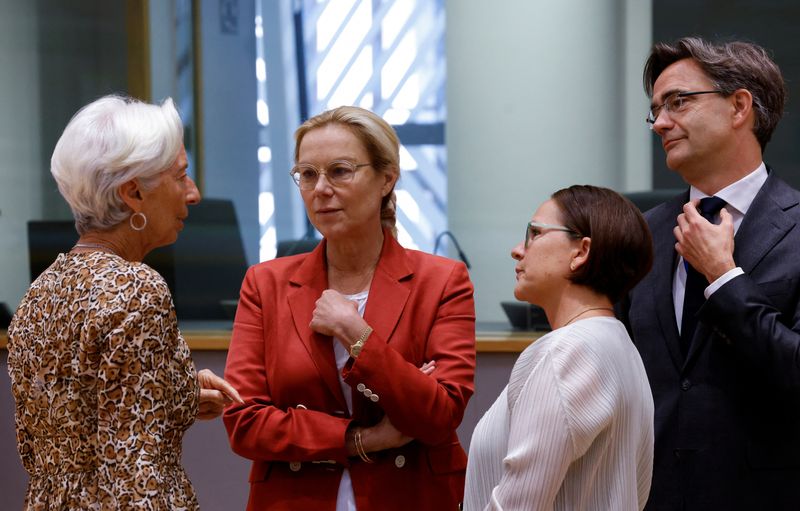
{"points": [[573, 429]]}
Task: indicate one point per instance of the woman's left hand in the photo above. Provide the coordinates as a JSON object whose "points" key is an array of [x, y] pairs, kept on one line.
{"points": [[338, 317], [215, 395]]}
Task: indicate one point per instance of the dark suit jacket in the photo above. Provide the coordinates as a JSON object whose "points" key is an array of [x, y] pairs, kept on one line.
{"points": [[727, 418], [294, 419]]}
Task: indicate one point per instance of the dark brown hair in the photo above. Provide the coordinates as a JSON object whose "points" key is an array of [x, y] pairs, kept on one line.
{"points": [[730, 66], [621, 253]]}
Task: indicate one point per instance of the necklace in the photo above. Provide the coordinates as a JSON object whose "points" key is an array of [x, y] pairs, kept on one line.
{"points": [[584, 311], [100, 246]]}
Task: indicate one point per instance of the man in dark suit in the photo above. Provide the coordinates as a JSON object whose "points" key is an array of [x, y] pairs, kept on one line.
{"points": [[717, 320]]}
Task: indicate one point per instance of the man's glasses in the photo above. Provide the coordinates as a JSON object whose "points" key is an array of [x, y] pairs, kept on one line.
{"points": [[338, 172], [534, 229], [674, 103]]}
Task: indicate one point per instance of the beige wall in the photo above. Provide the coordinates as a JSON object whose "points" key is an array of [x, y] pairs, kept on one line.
{"points": [[20, 146], [540, 95]]}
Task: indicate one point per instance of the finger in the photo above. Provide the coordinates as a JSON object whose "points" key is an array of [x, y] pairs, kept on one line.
{"points": [[210, 407], [678, 233], [679, 250], [212, 396], [690, 210], [682, 221], [428, 367], [207, 412], [230, 393], [212, 381], [725, 218]]}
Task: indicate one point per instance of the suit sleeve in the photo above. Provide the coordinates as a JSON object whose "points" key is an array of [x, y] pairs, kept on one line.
{"points": [[427, 408], [763, 335], [259, 430]]}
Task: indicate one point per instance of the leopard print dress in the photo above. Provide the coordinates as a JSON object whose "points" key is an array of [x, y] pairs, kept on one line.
{"points": [[104, 388]]}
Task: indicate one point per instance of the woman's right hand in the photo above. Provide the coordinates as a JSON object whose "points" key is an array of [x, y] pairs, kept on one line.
{"points": [[215, 395], [382, 435]]}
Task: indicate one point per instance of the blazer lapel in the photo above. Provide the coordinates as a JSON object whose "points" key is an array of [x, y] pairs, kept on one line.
{"points": [[664, 265], [388, 292], [309, 281], [388, 295]]}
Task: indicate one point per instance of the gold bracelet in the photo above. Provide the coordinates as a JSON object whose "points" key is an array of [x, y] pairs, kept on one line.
{"points": [[360, 447], [356, 347]]}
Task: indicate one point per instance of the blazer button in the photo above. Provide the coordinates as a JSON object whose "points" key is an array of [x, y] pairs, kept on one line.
{"points": [[686, 385], [360, 387], [368, 393], [374, 398], [400, 461], [295, 466]]}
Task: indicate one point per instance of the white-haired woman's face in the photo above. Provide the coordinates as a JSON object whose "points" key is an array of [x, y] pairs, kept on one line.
{"points": [[166, 205]]}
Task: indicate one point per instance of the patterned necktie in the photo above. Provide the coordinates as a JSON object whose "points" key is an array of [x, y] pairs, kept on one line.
{"points": [[695, 281]]}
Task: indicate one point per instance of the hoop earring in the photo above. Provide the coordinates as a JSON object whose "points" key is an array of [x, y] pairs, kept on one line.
{"points": [[133, 225]]}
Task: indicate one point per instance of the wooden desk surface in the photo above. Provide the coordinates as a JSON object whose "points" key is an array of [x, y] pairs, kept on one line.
{"points": [[487, 341]]}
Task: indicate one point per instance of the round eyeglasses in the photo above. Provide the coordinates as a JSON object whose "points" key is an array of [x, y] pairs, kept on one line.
{"points": [[338, 172], [674, 103]]}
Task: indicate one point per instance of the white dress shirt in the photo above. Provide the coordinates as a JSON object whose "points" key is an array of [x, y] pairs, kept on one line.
{"points": [[738, 196]]}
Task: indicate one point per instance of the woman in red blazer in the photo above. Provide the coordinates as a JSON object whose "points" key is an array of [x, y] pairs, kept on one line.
{"points": [[355, 361]]}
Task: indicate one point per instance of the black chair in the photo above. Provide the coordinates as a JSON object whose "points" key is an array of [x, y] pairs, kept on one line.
{"points": [[5, 316], [203, 269]]}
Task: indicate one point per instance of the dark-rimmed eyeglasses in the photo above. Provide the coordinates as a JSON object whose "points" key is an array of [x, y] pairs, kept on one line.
{"points": [[534, 229], [674, 103], [338, 172]]}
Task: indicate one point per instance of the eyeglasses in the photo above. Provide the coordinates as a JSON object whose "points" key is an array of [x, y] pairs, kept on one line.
{"points": [[534, 229], [338, 172], [674, 103]]}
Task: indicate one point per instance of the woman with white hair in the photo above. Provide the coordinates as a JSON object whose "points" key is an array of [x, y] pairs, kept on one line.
{"points": [[103, 380]]}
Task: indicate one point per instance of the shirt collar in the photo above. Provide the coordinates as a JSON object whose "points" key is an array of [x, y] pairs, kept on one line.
{"points": [[738, 195]]}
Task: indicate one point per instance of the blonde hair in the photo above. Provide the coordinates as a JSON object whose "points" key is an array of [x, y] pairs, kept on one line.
{"points": [[108, 142], [379, 139]]}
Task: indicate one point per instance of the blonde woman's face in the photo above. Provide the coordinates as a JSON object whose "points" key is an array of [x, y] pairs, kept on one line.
{"points": [[347, 210]]}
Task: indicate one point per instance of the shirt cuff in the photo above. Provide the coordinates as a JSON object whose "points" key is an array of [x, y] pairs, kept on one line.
{"points": [[721, 281]]}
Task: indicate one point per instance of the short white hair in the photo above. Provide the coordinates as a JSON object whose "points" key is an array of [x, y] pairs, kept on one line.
{"points": [[107, 143]]}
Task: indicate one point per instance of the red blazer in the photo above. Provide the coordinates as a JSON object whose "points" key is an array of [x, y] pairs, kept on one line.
{"points": [[294, 419]]}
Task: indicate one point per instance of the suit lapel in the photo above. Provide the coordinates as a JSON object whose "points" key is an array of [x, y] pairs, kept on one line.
{"points": [[663, 270], [309, 281], [764, 225]]}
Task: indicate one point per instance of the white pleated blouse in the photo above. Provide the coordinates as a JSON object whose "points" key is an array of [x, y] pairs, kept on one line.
{"points": [[572, 430]]}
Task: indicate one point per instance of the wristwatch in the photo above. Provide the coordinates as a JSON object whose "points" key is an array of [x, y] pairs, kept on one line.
{"points": [[355, 348]]}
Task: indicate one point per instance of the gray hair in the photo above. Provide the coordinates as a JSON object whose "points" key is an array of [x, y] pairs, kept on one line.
{"points": [[107, 143]]}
